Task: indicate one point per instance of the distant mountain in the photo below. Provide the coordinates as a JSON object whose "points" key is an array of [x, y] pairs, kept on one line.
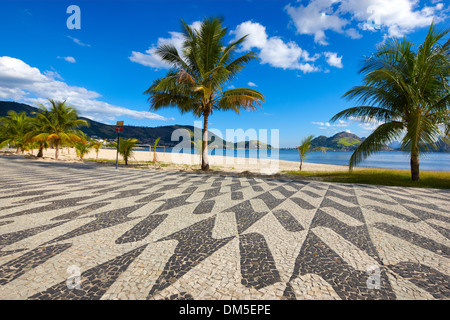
{"points": [[443, 145], [145, 135], [343, 141], [5, 106]]}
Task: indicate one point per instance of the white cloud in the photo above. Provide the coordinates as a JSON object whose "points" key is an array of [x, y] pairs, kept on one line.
{"points": [[353, 33], [367, 126], [256, 35], [251, 84], [21, 82], [322, 124], [394, 18], [68, 59], [273, 50], [327, 125], [333, 60], [77, 41], [315, 18], [150, 59], [52, 74]]}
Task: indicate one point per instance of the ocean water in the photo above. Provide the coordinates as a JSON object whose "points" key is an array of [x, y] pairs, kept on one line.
{"points": [[433, 161]]}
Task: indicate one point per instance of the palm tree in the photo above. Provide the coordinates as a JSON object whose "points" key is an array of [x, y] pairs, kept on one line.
{"points": [[154, 149], [198, 146], [14, 128], [59, 125], [38, 126], [126, 148], [407, 93], [96, 145], [199, 74], [304, 149], [82, 148]]}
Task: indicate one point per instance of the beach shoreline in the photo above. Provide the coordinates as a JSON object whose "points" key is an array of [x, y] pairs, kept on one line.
{"points": [[183, 160]]}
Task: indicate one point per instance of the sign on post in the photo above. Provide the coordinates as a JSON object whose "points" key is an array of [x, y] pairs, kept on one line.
{"points": [[119, 126]]}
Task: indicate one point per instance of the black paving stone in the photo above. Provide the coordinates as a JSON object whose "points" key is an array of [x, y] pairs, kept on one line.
{"points": [[414, 238], [427, 278], [258, 268], [30, 260], [287, 221], [94, 282]]}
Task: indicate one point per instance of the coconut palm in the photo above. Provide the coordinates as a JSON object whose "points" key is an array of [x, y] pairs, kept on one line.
{"points": [[198, 146], [14, 128], [406, 93], [199, 74], [60, 125], [82, 148], [126, 148], [304, 148], [154, 149], [38, 126], [96, 145]]}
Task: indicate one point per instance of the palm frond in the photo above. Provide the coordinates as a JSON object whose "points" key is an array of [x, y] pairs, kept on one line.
{"points": [[238, 98], [365, 113], [376, 141]]}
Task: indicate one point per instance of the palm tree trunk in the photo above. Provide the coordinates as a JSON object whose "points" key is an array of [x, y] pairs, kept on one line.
{"points": [[56, 150], [415, 166], [205, 161], [301, 163], [41, 151]]}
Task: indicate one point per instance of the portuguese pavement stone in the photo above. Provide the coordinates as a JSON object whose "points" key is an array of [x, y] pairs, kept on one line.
{"points": [[81, 231]]}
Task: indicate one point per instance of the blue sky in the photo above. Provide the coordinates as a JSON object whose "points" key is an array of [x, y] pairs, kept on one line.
{"points": [[309, 55]]}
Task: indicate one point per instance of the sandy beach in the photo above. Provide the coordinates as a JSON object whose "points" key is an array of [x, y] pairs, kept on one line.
{"points": [[232, 164]]}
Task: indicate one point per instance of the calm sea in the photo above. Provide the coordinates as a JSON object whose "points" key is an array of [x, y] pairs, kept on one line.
{"points": [[434, 161]]}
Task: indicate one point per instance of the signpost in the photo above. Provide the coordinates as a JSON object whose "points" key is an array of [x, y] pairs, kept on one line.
{"points": [[119, 128]]}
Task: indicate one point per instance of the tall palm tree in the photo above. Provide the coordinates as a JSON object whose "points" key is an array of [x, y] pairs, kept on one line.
{"points": [[14, 128], [60, 125], [407, 93], [38, 126], [199, 74]]}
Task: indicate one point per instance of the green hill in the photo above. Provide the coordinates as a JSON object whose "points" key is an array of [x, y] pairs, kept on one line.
{"points": [[145, 135], [341, 141], [345, 141]]}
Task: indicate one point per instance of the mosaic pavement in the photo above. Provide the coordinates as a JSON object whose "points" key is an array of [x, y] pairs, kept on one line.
{"points": [[89, 232]]}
